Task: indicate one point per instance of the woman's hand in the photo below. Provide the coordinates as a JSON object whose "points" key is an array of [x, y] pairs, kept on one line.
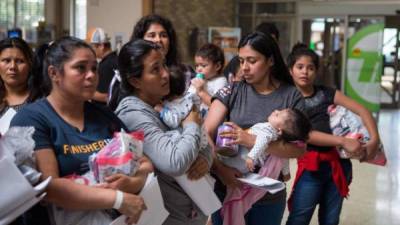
{"points": [[118, 181], [132, 207], [228, 175], [352, 146], [198, 169], [371, 148], [239, 136], [158, 107], [130, 184], [250, 164]]}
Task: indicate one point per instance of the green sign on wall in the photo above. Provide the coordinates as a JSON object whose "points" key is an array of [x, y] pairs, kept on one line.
{"points": [[364, 66]]}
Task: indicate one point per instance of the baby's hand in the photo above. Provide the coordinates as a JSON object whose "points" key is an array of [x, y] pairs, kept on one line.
{"points": [[250, 164], [158, 107], [198, 83]]}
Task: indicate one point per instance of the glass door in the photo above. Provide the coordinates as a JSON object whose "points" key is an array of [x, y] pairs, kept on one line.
{"points": [[326, 37]]}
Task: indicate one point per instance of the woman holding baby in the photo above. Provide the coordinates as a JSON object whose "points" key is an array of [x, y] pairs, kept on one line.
{"points": [[267, 86]]}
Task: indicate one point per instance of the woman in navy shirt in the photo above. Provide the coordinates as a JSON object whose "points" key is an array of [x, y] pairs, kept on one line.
{"points": [[68, 129]]}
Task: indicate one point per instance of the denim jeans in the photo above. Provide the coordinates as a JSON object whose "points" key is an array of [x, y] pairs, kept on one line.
{"points": [[315, 188], [261, 213]]}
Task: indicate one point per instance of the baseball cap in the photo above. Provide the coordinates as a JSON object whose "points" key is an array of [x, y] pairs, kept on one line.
{"points": [[97, 36]]}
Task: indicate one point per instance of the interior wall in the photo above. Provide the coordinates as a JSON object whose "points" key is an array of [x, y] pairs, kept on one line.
{"points": [[115, 17], [57, 14], [49, 11], [186, 15]]}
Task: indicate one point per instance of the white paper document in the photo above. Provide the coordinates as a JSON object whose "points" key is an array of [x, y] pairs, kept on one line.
{"points": [[258, 181], [156, 212], [17, 195], [17, 211], [201, 191], [6, 119], [15, 189]]}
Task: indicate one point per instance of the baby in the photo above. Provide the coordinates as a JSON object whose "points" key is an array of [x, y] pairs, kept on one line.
{"points": [[209, 61], [287, 124], [178, 104]]}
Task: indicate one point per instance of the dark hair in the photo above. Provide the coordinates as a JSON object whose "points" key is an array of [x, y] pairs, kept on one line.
{"points": [[300, 50], [177, 81], [268, 28], [60, 52], [34, 80], [267, 46], [130, 64], [213, 53], [39, 56], [107, 45], [232, 67], [144, 24], [297, 128]]}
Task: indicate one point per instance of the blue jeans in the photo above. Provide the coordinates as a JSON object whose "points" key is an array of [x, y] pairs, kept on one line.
{"points": [[315, 188], [261, 213]]}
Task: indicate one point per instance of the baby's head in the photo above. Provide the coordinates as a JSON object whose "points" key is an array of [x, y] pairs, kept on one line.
{"points": [[232, 70], [291, 124], [209, 60], [177, 82]]}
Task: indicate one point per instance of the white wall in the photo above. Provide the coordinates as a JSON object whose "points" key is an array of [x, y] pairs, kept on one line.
{"points": [[114, 16]]}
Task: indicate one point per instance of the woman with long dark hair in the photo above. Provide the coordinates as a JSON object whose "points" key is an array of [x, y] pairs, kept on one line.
{"points": [[144, 83], [19, 84], [266, 86]]}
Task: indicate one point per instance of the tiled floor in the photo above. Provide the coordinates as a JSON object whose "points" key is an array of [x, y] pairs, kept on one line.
{"points": [[375, 192]]}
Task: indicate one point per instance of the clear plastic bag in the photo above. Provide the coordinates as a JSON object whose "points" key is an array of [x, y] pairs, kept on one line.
{"points": [[79, 217], [121, 155], [17, 144], [345, 123]]}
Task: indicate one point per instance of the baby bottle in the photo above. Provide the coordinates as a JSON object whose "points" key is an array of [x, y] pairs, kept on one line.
{"points": [[223, 147], [193, 89]]}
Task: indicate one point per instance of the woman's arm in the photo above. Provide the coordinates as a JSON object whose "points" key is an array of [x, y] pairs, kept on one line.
{"points": [[216, 115], [323, 139], [68, 194], [367, 119], [285, 150], [278, 148], [172, 157]]}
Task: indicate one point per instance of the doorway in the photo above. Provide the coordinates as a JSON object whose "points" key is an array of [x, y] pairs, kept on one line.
{"points": [[326, 37]]}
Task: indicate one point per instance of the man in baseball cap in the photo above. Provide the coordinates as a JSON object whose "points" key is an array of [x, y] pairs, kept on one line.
{"points": [[98, 39]]}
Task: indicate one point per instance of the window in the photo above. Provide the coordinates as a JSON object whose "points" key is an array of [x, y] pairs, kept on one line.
{"points": [[22, 14], [282, 13]]}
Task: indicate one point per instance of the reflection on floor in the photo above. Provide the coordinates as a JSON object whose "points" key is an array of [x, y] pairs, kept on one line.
{"points": [[375, 192]]}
